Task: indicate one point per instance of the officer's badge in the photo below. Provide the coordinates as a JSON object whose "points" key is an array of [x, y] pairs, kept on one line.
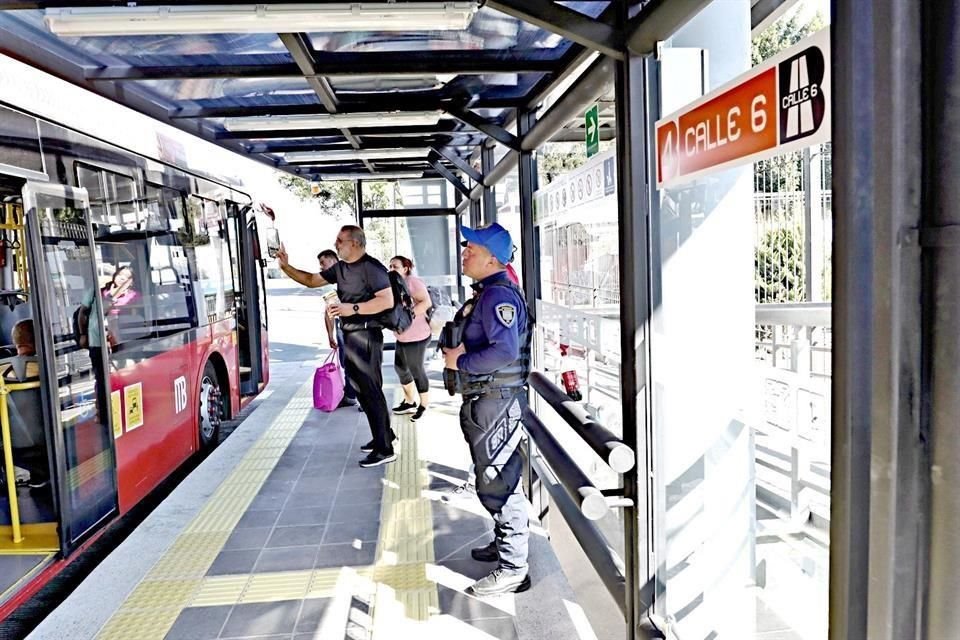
{"points": [[507, 314]]}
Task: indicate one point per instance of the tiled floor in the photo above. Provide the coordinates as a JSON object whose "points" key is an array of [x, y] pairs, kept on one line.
{"points": [[318, 547]]}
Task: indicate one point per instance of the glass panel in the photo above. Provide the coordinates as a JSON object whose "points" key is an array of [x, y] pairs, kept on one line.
{"points": [[578, 332], [740, 347], [70, 284], [20, 141]]}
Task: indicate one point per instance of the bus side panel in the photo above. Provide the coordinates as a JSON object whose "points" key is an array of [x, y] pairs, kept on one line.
{"points": [[224, 342], [156, 439]]}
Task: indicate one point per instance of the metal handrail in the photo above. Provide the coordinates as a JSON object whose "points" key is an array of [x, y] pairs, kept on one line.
{"points": [[800, 314], [579, 501], [608, 446], [5, 389], [590, 501], [605, 561]]}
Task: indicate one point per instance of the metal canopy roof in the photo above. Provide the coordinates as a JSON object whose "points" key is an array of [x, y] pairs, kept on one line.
{"points": [[376, 97]]}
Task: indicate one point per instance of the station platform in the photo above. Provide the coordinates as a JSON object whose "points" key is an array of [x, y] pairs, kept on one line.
{"points": [[279, 533]]}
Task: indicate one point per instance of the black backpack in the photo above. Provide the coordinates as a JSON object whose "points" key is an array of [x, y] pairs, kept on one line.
{"points": [[400, 317], [436, 300]]}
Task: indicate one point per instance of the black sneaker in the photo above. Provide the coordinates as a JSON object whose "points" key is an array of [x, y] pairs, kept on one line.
{"points": [[405, 408], [486, 553], [367, 448], [376, 459], [419, 414], [347, 402]]}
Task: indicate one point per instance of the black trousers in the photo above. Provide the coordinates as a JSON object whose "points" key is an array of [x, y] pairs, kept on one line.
{"points": [[408, 361], [104, 410], [348, 391], [364, 354]]}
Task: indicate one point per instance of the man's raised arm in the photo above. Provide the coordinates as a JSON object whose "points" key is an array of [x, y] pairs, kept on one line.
{"points": [[312, 280]]}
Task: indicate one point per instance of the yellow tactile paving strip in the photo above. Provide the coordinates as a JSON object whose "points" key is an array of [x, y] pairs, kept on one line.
{"points": [[397, 584], [178, 577]]}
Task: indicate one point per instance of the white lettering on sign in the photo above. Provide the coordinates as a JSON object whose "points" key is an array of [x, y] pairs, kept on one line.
{"points": [[759, 121], [778, 106], [180, 394]]}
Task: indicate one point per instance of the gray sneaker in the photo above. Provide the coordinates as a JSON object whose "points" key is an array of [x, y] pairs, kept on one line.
{"points": [[486, 553], [501, 581]]}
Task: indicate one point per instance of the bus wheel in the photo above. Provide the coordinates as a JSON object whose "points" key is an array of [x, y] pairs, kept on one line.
{"points": [[211, 407]]}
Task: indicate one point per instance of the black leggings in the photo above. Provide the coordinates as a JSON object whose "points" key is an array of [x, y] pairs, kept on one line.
{"points": [[409, 364]]}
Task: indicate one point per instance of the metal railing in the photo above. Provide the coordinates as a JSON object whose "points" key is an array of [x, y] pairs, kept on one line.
{"points": [[579, 501], [5, 389], [792, 451]]}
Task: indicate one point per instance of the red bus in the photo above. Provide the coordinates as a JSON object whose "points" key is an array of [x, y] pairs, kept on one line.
{"points": [[140, 286]]}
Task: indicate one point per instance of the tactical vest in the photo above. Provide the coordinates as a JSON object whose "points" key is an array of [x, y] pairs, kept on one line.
{"points": [[514, 374]]}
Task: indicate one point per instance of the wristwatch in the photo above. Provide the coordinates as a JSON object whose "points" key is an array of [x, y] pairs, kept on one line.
{"points": [[356, 308]]}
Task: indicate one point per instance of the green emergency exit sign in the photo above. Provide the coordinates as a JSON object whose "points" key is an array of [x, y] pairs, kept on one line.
{"points": [[591, 125]]}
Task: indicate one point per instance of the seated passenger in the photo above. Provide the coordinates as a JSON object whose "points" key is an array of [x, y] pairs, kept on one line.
{"points": [[24, 366], [24, 410]]}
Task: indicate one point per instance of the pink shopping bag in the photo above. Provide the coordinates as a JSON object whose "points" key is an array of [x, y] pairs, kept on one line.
{"points": [[328, 384]]}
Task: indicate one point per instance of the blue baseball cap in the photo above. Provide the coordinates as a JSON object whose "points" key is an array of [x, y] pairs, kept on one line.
{"points": [[495, 238]]}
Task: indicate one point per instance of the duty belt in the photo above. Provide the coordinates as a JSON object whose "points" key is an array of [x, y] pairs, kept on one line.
{"points": [[502, 393]]}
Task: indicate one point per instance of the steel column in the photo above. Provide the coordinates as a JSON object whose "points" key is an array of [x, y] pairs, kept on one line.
{"points": [[878, 497], [636, 84], [358, 200], [941, 244], [489, 196], [530, 253]]}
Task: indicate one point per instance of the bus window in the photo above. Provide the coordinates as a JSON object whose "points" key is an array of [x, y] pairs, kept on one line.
{"points": [[113, 196], [214, 284]]}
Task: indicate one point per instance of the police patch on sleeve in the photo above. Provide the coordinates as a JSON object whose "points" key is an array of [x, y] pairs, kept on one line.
{"points": [[506, 314]]}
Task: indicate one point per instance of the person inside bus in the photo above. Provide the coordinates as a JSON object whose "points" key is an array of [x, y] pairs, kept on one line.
{"points": [[118, 298], [327, 258], [409, 358], [24, 409], [24, 367], [87, 326]]}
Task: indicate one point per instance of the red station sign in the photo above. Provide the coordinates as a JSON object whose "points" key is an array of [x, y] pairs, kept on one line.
{"points": [[775, 107]]}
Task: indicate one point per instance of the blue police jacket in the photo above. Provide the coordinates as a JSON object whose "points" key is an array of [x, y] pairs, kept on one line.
{"points": [[494, 334]]}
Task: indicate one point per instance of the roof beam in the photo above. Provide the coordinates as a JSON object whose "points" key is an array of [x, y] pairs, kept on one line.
{"points": [[299, 47], [647, 28], [333, 64], [434, 160], [444, 127], [460, 163], [364, 104], [487, 127], [572, 25], [338, 144], [763, 13], [126, 73]]}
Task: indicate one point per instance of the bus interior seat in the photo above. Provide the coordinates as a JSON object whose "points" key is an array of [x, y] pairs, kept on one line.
{"points": [[26, 418]]}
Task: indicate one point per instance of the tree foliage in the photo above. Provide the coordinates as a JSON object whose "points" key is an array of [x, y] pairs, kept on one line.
{"points": [[557, 159], [778, 266], [784, 33], [339, 196]]}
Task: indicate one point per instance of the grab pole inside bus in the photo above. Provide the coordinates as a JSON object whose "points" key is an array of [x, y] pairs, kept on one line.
{"points": [[8, 456]]}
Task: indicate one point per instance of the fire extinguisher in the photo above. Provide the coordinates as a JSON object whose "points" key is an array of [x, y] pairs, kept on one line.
{"points": [[571, 384]]}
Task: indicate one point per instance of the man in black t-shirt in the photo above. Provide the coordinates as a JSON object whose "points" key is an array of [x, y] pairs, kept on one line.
{"points": [[363, 287]]}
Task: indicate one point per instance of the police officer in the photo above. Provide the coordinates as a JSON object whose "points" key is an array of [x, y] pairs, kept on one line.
{"points": [[493, 364]]}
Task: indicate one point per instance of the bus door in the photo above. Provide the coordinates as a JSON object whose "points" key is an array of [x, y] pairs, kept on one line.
{"points": [[251, 304], [65, 296]]}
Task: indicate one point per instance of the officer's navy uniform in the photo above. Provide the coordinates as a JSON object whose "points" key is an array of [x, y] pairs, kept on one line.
{"points": [[493, 375]]}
